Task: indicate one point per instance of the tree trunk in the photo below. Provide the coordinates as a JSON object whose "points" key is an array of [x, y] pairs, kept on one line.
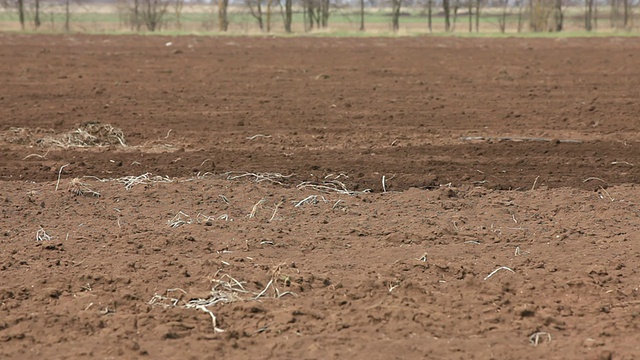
{"points": [[149, 18], [260, 20], [520, 17], [21, 13], [430, 15], [612, 14], [588, 14], [288, 15], [326, 4], [456, 5], [136, 15], [223, 21], [542, 12], [478, 3], [308, 15], [531, 16], [395, 15], [269, 5], [361, 15], [177, 9], [314, 20], [595, 15], [36, 18], [67, 16], [470, 13], [502, 21], [446, 6], [559, 16]]}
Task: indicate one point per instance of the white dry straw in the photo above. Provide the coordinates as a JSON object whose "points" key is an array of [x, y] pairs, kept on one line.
{"points": [[60, 174], [496, 270]]}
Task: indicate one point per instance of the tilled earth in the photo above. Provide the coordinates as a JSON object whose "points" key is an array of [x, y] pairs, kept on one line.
{"points": [[319, 198]]}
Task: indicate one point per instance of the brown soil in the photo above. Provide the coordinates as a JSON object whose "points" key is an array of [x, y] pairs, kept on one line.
{"points": [[493, 152]]}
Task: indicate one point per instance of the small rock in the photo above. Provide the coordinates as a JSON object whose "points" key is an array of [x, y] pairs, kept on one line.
{"points": [[605, 355]]}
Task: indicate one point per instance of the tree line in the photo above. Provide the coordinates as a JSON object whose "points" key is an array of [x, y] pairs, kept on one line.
{"points": [[278, 15]]}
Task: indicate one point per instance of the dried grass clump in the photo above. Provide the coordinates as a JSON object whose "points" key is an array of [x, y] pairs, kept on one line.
{"points": [[23, 136], [78, 188], [225, 290], [86, 135]]}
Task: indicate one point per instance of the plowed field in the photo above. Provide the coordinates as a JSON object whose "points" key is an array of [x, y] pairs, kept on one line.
{"points": [[319, 198]]}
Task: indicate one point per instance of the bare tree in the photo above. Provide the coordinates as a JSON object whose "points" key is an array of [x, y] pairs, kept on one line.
{"points": [[446, 6], [288, 17], [595, 15], [456, 6], [153, 12], [430, 15], [316, 13], [546, 15], [588, 14], [135, 21], [620, 8], [255, 9], [539, 13], [67, 16], [36, 16], [502, 18], [558, 16], [223, 19], [325, 6], [269, 12], [361, 15], [470, 13], [129, 13], [471, 6], [20, 4], [133, 14], [520, 15], [613, 13], [287, 14], [178, 5], [396, 5], [309, 14], [478, 5]]}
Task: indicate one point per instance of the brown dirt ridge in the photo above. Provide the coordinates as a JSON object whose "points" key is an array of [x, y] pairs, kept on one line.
{"points": [[318, 198]]}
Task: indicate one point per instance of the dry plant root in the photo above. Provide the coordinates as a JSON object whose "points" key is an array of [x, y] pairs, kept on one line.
{"points": [[78, 188]]}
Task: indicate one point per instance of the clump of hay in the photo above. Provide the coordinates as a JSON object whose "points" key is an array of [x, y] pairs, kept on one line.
{"points": [[86, 135], [23, 136], [78, 188]]}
